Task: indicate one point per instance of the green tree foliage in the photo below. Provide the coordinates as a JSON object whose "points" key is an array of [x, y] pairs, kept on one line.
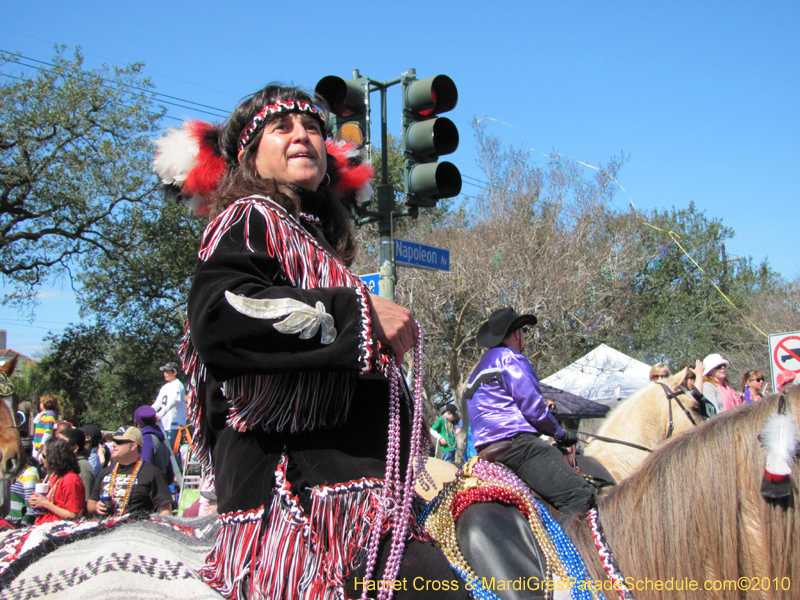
{"points": [[78, 197], [74, 156], [677, 315], [106, 375]]}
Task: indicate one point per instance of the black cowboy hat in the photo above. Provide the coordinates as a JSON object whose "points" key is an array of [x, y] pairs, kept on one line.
{"points": [[500, 323]]}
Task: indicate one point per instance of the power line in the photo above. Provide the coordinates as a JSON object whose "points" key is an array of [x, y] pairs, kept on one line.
{"points": [[156, 96], [218, 112], [42, 62], [12, 324]]}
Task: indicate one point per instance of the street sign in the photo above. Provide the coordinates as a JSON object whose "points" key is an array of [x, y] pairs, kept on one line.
{"points": [[784, 354], [421, 256], [373, 281]]}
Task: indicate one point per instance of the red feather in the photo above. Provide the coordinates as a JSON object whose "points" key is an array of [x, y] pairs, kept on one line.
{"points": [[772, 477], [353, 176], [204, 178]]}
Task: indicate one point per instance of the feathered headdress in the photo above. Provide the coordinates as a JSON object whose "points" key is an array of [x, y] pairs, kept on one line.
{"points": [[780, 442], [352, 181], [189, 160]]}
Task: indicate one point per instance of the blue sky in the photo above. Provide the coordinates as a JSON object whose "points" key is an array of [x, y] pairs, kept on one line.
{"points": [[702, 96]]}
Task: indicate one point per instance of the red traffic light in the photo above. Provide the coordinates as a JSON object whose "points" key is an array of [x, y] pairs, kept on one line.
{"points": [[431, 96]]}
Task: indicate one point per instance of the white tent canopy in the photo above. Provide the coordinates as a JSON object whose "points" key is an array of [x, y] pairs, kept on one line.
{"points": [[603, 374]]}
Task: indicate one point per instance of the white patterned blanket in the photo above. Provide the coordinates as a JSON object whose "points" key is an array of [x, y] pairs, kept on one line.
{"points": [[117, 558]]}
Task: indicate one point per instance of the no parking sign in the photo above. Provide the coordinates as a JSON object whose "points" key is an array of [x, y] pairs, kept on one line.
{"points": [[784, 354]]}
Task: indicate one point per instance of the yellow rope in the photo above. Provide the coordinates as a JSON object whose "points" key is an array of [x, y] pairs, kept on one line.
{"points": [[674, 236]]}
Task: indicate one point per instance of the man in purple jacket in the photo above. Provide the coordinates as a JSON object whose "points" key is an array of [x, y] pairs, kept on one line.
{"points": [[505, 404]]}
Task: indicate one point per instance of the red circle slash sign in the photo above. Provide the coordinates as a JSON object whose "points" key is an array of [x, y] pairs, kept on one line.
{"points": [[793, 352]]}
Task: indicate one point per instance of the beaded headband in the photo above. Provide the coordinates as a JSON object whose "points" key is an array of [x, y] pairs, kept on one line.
{"points": [[280, 106]]}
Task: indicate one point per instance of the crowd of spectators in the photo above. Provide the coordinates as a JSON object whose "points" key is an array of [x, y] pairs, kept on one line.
{"points": [[84, 472]]}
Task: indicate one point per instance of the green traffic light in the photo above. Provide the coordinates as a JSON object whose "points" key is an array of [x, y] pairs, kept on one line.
{"points": [[430, 139]]}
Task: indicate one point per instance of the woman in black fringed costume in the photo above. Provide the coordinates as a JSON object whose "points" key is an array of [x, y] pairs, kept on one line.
{"points": [[290, 361]]}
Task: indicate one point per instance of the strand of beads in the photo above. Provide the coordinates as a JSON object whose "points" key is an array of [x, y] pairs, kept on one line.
{"points": [[387, 497], [398, 496], [440, 525], [573, 563], [567, 562], [607, 558], [497, 473], [402, 515], [423, 447]]}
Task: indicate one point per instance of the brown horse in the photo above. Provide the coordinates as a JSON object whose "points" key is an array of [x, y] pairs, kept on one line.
{"points": [[12, 456], [642, 418], [694, 512]]}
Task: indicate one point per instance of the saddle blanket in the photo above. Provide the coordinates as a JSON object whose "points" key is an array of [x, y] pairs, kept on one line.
{"points": [[124, 557]]}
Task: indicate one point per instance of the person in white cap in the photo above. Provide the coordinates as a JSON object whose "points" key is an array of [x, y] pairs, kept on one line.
{"points": [[170, 405], [715, 383]]}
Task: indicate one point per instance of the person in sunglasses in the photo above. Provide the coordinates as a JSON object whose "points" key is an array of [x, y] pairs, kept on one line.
{"points": [[752, 386], [133, 484], [508, 414], [715, 383]]}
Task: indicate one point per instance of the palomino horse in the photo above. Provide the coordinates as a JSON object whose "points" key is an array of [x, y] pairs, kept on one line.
{"points": [[691, 523], [643, 418]]}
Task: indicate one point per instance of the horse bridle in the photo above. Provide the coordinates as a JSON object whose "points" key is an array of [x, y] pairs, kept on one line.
{"points": [[670, 395], [19, 417], [670, 427]]}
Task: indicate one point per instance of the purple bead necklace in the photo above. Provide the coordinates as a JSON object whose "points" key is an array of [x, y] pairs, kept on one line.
{"points": [[397, 495]]}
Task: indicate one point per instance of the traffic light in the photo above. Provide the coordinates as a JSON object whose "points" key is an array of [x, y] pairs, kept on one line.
{"points": [[426, 137], [349, 103]]}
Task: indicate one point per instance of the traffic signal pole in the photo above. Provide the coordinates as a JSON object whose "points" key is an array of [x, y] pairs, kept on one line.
{"points": [[425, 181], [386, 208], [386, 212]]}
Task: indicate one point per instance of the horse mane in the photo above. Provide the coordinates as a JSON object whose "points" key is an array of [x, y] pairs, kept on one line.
{"points": [[694, 510]]}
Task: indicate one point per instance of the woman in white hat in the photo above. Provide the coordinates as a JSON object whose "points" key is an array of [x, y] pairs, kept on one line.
{"points": [[715, 383]]}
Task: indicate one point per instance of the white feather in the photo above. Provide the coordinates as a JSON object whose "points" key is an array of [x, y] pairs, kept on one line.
{"points": [[780, 441], [364, 194], [176, 155]]}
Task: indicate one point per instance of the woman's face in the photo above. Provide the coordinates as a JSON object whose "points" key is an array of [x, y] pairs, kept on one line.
{"points": [[292, 149], [718, 374], [756, 383]]}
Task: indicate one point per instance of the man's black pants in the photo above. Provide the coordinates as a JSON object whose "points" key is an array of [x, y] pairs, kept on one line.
{"points": [[543, 468]]}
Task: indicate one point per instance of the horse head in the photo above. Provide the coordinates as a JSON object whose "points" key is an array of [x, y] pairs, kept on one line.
{"points": [[649, 417], [12, 456], [682, 411]]}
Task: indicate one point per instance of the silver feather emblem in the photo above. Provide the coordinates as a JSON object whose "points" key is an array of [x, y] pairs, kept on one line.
{"points": [[302, 318]]}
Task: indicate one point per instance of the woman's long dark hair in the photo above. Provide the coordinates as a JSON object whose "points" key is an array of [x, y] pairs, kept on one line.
{"points": [[242, 180], [60, 457]]}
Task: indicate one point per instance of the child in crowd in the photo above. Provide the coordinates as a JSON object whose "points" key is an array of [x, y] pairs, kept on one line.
{"points": [[20, 512], [44, 424]]}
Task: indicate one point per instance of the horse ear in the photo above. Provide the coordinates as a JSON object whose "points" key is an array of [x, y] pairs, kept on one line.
{"points": [[676, 379]]}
